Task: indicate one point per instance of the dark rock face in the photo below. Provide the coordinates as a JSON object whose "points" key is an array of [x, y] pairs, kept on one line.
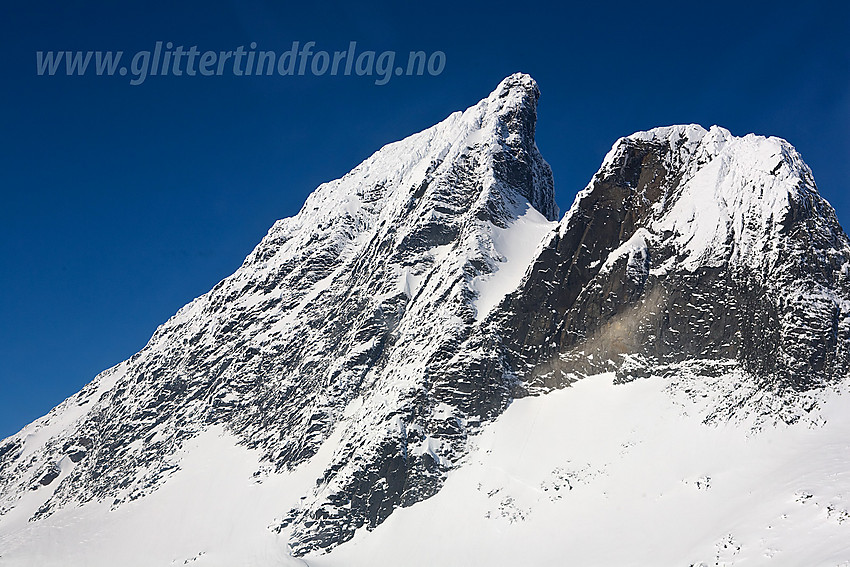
{"points": [[51, 474], [517, 163], [780, 312]]}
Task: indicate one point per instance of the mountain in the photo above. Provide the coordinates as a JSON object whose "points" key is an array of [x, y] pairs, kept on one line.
{"points": [[689, 246], [386, 353]]}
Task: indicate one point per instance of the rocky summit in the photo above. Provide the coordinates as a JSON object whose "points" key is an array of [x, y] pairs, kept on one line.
{"points": [[689, 245], [359, 356]]}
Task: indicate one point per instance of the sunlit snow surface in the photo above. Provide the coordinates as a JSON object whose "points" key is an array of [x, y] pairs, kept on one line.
{"points": [[594, 474], [516, 247], [604, 474]]}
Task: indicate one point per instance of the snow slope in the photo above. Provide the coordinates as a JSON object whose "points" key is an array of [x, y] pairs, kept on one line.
{"points": [[516, 246], [595, 474], [182, 521], [629, 474]]}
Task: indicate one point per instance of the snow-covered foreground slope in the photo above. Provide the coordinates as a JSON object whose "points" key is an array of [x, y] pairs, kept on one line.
{"points": [[595, 474], [213, 510], [629, 474]]}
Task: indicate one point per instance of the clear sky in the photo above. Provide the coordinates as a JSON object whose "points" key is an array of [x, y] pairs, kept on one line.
{"points": [[122, 203]]}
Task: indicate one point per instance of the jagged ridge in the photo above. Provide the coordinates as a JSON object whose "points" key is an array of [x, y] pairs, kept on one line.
{"points": [[689, 244]]}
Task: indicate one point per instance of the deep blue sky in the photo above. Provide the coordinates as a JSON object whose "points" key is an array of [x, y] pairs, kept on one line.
{"points": [[120, 204]]}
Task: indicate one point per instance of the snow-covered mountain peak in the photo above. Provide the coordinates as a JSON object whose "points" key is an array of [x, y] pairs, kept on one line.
{"points": [[344, 320], [736, 199], [499, 129], [672, 135], [688, 243], [357, 358], [715, 196], [515, 93]]}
